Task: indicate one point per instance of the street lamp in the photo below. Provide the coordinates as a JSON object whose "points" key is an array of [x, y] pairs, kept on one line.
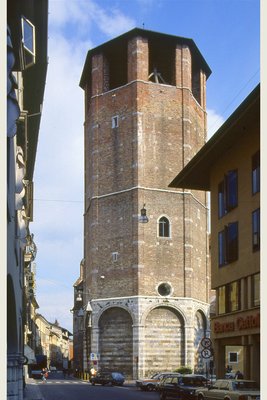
{"points": [[79, 296]]}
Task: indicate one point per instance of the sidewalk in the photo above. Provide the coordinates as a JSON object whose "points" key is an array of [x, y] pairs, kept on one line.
{"points": [[32, 391]]}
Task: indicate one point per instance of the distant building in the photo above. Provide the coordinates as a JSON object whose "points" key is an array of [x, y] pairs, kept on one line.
{"points": [[81, 330], [146, 286], [53, 342], [26, 76], [229, 167]]}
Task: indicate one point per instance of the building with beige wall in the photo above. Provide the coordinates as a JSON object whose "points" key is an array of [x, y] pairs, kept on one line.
{"points": [[146, 286], [229, 167], [26, 77], [52, 341]]}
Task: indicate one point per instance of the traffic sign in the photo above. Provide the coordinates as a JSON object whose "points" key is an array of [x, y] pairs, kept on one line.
{"points": [[94, 356], [206, 353], [206, 342]]}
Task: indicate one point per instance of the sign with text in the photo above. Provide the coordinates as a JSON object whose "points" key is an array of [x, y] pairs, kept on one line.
{"points": [[94, 356]]}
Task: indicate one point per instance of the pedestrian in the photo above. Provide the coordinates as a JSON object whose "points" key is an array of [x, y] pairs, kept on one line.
{"points": [[239, 375], [44, 375], [228, 369]]}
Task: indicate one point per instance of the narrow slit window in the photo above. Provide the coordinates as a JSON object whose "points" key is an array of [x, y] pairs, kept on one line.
{"points": [[115, 256], [115, 122]]}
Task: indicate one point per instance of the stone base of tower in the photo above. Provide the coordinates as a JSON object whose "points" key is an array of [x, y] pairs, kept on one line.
{"points": [[142, 335]]}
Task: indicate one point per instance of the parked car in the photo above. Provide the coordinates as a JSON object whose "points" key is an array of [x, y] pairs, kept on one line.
{"points": [[230, 389], [181, 387], [149, 384], [108, 378], [36, 374]]}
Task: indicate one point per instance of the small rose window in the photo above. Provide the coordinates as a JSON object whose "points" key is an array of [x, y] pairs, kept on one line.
{"points": [[164, 289]]}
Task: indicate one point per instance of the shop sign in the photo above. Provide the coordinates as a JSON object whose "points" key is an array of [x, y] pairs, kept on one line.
{"points": [[241, 323], [249, 322]]}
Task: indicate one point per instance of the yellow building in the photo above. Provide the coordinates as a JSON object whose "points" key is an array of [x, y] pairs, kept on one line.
{"points": [[52, 341], [229, 167]]}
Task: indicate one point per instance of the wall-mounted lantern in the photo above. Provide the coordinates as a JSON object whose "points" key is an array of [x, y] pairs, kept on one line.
{"points": [[143, 217], [79, 296]]}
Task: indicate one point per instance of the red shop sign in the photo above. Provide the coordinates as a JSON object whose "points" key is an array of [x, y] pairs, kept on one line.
{"points": [[241, 323]]}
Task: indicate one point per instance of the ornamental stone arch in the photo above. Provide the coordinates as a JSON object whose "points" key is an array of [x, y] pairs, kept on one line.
{"points": [[115, 341], [179, 311], [200, 331], [164, 339], [97, 315]]}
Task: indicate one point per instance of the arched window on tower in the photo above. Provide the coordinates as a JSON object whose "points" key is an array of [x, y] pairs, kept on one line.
{"points": [[164, 227]]}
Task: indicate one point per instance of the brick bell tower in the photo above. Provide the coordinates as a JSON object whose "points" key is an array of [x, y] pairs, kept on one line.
{"points": [[146, 285]]}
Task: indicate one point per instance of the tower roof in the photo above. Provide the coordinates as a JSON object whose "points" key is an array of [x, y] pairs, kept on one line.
{"points": [[150, 35]]}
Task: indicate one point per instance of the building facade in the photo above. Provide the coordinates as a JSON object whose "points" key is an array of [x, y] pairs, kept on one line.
{"points": [[229, 167], [52, 341], [26, 75], [146, 286]]}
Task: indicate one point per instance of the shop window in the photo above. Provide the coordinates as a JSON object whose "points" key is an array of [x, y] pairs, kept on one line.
{"points": [[221, 300], [233, 296], [256, 290], [256, 230], [256, 173], [228, 244], [227, 193], [164, 227], [233, 357]]}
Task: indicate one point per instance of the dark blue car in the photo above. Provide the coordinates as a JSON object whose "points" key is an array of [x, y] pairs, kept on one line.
{"points": [[108, 378]]}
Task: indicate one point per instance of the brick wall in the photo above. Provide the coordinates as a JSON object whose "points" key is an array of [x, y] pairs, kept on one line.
{"points": [[137, 137]]}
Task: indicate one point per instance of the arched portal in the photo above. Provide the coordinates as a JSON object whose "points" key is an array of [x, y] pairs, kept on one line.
{"points": [[164, 340], [116, 340]]}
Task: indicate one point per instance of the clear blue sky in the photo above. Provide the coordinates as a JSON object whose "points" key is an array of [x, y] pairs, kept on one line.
{"points": [[227, 33]]}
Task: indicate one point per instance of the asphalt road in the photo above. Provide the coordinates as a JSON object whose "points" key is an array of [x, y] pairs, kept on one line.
{"points": [[58, 388]]}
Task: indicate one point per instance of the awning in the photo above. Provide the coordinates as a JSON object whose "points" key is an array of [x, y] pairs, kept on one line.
{"points": [[29, 353]]}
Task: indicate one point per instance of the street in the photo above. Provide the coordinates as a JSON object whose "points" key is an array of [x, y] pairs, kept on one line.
{"points": [[58, 388]]}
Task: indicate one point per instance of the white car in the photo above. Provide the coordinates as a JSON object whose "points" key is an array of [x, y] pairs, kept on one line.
{"points": [[229, 389], [149, 384]]}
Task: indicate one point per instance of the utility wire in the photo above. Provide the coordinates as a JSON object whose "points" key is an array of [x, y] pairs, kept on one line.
{"points": [[229, 104]]}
